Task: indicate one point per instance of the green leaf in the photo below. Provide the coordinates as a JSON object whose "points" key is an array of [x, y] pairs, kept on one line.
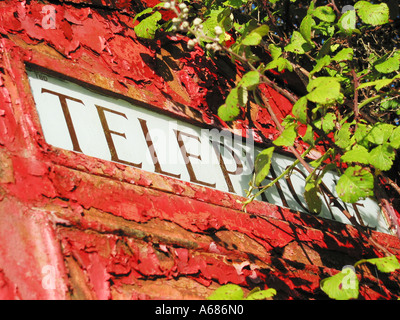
{"points": [[250, 79], [358, 154], [262, 294], [390, 104], [242, 96], [342, 286], [306, 27], [395, 138], [298, 44], [382, 156], [328, 122], [287, 137], [312, 197], [380, 133], [342, 136], [325, 28], [235, 3], [325, 49], [262, 165], [217, 17], [230, 110], [309, 136], [275, 51], [347, 22], [345, 54], [354, 184], [374, 14], [279, 63], [147, 27], [324, 90], [361, 133], [385, 264], [299, 110], [321, 63], [145, 11], [254, 37], [227, 292], [379, 84], [325, 13], [388, 65]]}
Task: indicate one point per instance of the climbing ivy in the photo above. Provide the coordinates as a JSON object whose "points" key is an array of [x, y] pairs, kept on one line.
{"points": [[232, 291], [345, 284], [350, 103]]}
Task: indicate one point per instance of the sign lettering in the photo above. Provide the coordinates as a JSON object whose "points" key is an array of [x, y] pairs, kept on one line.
{"points": [[78, 119]]}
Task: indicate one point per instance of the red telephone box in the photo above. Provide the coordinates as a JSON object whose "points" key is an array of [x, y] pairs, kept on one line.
{"points": [[103, 189]]}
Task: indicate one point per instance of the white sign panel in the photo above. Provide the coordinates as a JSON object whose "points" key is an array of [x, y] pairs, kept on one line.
{"points": [[78, 119]]}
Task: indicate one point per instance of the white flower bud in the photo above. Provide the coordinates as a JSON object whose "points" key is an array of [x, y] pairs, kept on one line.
{"points": [[218, 30], [182, 6], [215, 46], [184, 25], [176, 20], [191, 43], [167, 5], [197, 21]]}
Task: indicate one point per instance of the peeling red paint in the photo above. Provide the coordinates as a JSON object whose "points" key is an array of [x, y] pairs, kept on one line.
{"points": [[115, 232]]}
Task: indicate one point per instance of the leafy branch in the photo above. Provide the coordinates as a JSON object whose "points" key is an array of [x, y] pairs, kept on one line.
{"points": [[346, 87]]}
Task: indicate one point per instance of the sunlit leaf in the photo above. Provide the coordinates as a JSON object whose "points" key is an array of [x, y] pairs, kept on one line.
{"points": [[306, 27], [354, 184], [384, 264], [312, 197], [250, 79], [344, 54], [395, 138], [275, 51], [324, 90], [262, 165], [347, 22], [147, 27], [382, 156], [298, 44], [300, 110], [230, 110], [324, 13], [343, 136], [287, 137], [227, 292], [342, 286], [255, 36], [380, 133], [321, 63], [262, 294], [358, 154], [388, 65], [374, 14], [235, 3]]}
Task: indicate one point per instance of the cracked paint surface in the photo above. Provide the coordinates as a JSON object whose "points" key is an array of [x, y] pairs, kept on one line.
{"points": [[75, 227]]}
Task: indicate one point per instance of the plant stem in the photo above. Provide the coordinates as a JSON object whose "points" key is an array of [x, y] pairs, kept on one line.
{"points": [[355, 99], [324, 188]]}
